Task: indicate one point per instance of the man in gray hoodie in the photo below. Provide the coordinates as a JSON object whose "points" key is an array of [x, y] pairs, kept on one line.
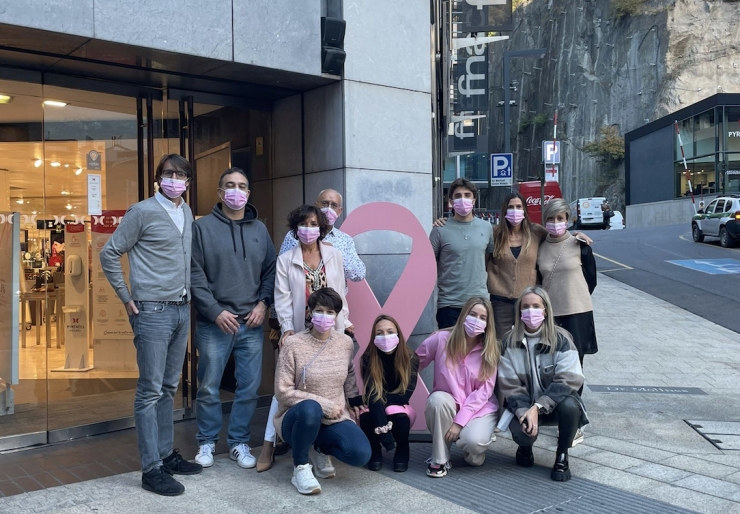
{"points": [[156, 235], [233, 279]]}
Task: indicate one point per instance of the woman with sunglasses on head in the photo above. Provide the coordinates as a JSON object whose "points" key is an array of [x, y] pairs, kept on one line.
{"points": [[389, 372], [567, 271], [314, 383], [299, 272], [539, 376], [461, 408]]}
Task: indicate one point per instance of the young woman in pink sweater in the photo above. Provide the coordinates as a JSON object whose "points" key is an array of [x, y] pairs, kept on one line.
{"points": [[461, 407]]}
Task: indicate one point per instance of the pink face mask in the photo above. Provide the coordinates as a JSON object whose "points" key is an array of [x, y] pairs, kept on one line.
{"points": [[462, 206], [556, 229], [331, 215], [474, 326], [386, 343], [235, 199], [308, 235], [323, 322], [515, 216], [533, 318], [173, 187]]}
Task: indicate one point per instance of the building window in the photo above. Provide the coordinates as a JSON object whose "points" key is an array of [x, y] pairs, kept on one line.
{"points": [[732, 174], [704, 133], [732, 129]]}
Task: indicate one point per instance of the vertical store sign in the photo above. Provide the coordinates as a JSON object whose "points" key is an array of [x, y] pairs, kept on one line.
{"points": [[9, 287], [110, 320], [471, 79], [94, 195], [484, 15]]}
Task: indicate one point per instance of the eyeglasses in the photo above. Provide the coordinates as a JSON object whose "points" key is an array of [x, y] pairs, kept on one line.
{"points": [[174, 173], [333, 205]]}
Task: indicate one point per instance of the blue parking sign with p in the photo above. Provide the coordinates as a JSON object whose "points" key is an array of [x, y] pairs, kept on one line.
{"points": [[502, 169]]}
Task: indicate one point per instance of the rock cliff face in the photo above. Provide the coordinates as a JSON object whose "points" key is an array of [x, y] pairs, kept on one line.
{"points": [[603, 70]]}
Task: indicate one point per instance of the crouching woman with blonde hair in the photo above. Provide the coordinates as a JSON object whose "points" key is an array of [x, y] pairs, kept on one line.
{"points": [[539, 375], [461, 407]]}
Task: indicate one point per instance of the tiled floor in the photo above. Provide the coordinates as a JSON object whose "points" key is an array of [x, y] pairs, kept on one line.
{"points": [[96, 457]]}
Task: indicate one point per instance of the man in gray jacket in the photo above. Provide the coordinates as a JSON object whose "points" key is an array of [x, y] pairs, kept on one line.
{"points": [[156, 235], [233, 278]]}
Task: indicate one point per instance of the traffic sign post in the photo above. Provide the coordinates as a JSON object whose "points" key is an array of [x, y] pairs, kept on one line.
{"points": [[502, 169], [551, 152], [552, 172]]}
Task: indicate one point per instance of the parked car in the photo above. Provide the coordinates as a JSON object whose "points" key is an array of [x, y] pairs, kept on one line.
{"points": [[721, 218], [617, 221], [587, 213]]}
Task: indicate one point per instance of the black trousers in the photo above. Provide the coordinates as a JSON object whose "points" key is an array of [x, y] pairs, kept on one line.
{"points": [[566, 416], [400, 431], [447, 316]]}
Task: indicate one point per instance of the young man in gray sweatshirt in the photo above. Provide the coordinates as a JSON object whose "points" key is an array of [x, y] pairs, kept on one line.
{"points": [[156, 235], [233, 279]]}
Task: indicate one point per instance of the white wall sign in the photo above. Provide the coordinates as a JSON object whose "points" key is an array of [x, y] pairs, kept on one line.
{"points": [[94, 195]]}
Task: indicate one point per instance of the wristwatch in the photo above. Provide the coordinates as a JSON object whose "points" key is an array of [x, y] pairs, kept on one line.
{"points": [[266, 301], [539, 407]]}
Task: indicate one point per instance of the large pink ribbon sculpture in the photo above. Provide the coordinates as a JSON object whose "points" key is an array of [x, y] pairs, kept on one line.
{"points": [[409, 297]]}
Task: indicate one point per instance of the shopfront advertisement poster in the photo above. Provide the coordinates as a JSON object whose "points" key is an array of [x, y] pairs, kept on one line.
{"points": [[94, 194]]}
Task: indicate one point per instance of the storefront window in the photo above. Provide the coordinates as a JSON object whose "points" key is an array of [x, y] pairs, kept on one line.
{"points": [[731, 132], [704, 133], [682, 184], [704, 178], [686, 127], [475, 167], [732, 174]]}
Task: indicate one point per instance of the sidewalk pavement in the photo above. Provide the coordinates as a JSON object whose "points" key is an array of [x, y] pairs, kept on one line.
{"points": [[636, 442]]}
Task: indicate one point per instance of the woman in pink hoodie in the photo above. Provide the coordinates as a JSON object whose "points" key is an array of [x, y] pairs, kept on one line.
{"points": [[461, 407]]}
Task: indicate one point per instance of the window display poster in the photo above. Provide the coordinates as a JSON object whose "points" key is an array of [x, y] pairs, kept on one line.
{"points": [[10, 253], [110, 320], [94, 195]]}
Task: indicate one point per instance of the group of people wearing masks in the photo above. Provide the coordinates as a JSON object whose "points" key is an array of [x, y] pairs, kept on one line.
{"points": [[514, 315]]}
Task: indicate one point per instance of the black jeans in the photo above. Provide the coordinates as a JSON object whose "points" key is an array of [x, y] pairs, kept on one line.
{"points": [[566, 416], [447, 316], [400, 431]]}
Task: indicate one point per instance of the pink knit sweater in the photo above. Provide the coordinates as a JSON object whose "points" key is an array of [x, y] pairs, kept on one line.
{"points": [[329, 375]]}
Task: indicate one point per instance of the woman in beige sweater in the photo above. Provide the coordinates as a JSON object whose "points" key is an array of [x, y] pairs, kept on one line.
{"points": [[314, 382], [568, 273]]}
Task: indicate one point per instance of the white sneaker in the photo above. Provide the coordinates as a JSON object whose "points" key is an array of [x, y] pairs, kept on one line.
{"points": [[243, 456], [205, 455], [578, 439], [304, 481], [321, 463]]}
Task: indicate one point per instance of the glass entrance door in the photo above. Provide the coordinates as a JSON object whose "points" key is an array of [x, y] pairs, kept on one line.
{"points": [[71, 162]]}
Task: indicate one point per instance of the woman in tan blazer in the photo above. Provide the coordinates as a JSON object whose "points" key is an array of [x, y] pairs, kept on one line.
{"points": [[308, 267]]}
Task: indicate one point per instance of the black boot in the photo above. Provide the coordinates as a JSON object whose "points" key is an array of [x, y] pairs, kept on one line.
{"points": [[161, 482], [176, 465], [401, 457], [525, 457], [560, 471]]}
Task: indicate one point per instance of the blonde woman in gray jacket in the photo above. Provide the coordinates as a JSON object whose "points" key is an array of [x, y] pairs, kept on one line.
{"points": [[539, 375]]}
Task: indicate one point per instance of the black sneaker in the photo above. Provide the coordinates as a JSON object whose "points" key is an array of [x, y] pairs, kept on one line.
{"points": [[176, 465], [161, 482], [525, 457]]}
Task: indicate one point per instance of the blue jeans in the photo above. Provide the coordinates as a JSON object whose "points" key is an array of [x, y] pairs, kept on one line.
{"points": [[161, 339], [344, 440], [214, 348]]}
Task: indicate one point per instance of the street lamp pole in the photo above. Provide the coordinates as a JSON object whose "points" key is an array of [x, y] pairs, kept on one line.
{"points": [[508, 56]]}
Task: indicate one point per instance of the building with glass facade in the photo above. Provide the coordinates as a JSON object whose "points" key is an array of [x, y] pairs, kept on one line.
{"points": [[94, 93], [710, 132]]}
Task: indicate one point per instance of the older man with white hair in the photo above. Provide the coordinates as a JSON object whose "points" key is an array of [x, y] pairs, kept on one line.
{"points": [[330, 203]]}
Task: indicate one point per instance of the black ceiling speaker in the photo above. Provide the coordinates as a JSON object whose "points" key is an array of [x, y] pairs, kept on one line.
{"points": [[332, 60], [332, 44], [332, 32]]}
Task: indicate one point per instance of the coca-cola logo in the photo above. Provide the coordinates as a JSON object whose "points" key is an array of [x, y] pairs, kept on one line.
{"points": [[536, 200]]}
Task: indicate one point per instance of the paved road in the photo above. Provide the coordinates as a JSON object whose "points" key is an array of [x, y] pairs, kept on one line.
{"points": [[646, 252]]}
